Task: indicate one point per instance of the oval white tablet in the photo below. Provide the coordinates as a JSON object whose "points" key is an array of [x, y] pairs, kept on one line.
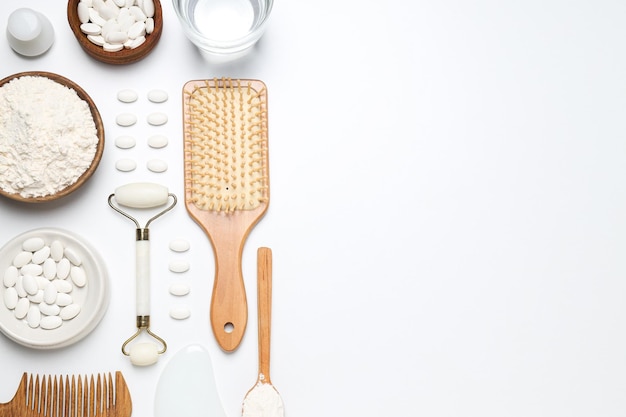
{"points": [[127, 96], [33, 244], [180, 312], [157, 141], [125, 165], [179, 289], [157, 165], [179, 265], [22, 259], [157, 118], [157, 96], [125, 142], [73, 256], [179, 245], [69, 311], [126, 119], [79, 278], [10, 298], [50, 322], [10, 276], [56, 250]]}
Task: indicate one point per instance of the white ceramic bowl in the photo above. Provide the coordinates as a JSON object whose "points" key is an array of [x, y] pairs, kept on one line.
{"points": [[93, 297], [29, 32]]}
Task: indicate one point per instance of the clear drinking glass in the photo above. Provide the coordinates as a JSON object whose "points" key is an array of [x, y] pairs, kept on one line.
{"points": [[223, 27]]}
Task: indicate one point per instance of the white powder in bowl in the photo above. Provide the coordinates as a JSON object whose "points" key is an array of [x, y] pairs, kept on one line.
{"points": [[263, 401], [48, 137]]}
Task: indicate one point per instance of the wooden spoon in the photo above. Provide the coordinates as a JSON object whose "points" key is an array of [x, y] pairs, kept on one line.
{"points": [[263, 399]]}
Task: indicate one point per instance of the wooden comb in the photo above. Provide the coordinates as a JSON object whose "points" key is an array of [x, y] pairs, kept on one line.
{"points": [[69, 396]]}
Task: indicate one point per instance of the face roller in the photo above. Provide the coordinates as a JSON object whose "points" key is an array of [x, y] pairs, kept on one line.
{"points": [[142, 196]]}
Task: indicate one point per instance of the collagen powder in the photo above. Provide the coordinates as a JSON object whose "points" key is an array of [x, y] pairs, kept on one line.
{"points": [[48, 137], [263, 401]]}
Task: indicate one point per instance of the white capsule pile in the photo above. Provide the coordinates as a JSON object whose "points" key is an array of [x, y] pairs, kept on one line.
{"points": [[116, 24], [41, 282]]}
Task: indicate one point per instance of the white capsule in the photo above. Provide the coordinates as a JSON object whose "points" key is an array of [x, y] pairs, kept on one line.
{"points": [[136, 30], [50, 293], [135, 43], [139, 15], [49, 269], [96, 39], [125, 165], [49, 309], [42, 282], [50, 322], [64, 299], [113, 47], [180, 312], [41, 255], [21, 292], [125, 19], [179, 245], [79, 278], [10, 276], [157, 141], [120, 3], [69, 312], [37, 297], [179, 289], [149, 25], [22, 259], [10, 298], [126, 119], [33, 317], [127, 96], [83, 12], [63, 268], [157, 118], [110, 26], [157, 165], [115, 38], [148, 8], [62, 286], [30, 284], [33, 244], [21, 308], [31, 269], [73, 256], [56, 250], [91, 28]]}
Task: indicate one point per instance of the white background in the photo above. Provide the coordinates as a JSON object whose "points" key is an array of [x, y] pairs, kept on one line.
{"points": [[447, 215]]}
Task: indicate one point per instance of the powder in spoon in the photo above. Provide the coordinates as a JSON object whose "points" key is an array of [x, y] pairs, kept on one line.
{"points": [[263, 401], [48, 137]]}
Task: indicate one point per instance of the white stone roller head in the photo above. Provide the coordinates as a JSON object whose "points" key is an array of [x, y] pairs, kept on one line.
{"points": [[144, 354], [141, 195]]}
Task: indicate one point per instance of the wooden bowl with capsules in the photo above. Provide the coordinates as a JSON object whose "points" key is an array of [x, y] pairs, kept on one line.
{"points": [[51, 140], [116, 42]]}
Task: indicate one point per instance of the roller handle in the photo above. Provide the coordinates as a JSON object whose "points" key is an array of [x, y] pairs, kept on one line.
{"points": [[142, 277], [264, 299]]}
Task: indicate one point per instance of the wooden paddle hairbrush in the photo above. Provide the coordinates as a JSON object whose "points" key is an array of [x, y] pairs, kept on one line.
{"points": [[226, 185]]}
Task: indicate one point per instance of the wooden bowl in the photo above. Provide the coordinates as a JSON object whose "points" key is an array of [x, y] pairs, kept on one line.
{"points": [[99, 131], [125, 56]]}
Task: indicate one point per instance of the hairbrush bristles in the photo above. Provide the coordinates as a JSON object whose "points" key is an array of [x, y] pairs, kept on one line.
{"points": [[226, 131]]}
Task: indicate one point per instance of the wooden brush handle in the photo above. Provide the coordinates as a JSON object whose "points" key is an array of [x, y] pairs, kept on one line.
{"points": [[264, 295], [229, 306]]}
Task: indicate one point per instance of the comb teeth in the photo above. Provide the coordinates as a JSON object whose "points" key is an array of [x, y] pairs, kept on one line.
{"points": [[226, 143], [69, 396]]}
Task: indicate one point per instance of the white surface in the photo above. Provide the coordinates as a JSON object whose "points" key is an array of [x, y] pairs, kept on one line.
{"points": [[447, 215]]}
